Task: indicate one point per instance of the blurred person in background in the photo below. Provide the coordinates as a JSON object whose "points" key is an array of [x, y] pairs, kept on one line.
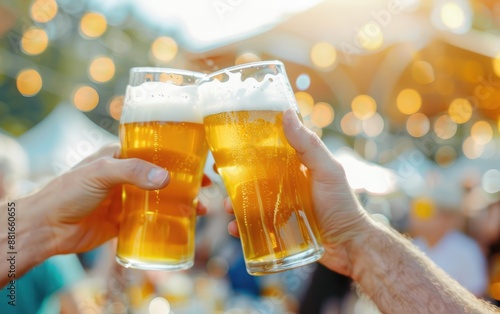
{"points": [[436, 224], [35, 291]]}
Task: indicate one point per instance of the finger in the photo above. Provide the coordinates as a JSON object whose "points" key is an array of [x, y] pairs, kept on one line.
{"points": [[228, 206], [111, 150], [311, 151], [108, 172], [233, 230]]}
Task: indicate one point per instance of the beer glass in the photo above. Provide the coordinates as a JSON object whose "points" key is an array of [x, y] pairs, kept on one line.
{"points": [[269, 188], [161, 123]]}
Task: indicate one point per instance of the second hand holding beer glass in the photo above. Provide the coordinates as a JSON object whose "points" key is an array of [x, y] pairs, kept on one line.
{"points": [[161, 123], [269, 188]]}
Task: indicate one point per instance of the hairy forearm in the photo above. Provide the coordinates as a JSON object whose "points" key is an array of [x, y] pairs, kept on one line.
{"points": [[25, 238], [400, 279]]}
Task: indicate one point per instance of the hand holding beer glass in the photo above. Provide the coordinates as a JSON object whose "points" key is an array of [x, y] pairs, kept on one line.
{"points": [[269, 188], [161, 123]]}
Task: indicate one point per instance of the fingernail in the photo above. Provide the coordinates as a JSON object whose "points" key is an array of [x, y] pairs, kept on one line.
{"points": [[157, 176]]}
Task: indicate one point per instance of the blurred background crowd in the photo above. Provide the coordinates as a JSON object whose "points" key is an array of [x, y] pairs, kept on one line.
{"points": [[405, 93]]}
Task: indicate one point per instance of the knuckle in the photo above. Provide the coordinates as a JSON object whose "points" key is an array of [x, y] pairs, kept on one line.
{"points": [[133, 167]]}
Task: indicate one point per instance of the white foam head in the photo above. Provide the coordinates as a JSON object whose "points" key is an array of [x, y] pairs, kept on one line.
{"points": [[161, 101], [273, 92]]}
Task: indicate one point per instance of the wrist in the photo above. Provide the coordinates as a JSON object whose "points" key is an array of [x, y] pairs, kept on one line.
{"points": [[37, 243]]}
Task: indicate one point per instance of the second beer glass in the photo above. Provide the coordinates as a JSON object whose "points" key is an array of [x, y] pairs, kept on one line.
{"points": [[162, 123], [268, 186]]}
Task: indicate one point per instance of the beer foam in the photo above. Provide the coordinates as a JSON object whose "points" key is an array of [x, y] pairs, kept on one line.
{"points": [[161, 101], [273, 92]]}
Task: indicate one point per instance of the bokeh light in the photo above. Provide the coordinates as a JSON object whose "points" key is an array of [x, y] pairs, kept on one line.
{"points": [[460, 110], [303, 81], [116, 107], [34, 41], [164, 49], [350, 125], [159, 305], [305, 102], [408, 101], [370, 36], [29, 82], [481, 132], [247, 57], [418, 125], [101, 69], [373, 126], [422, 72], [322, 115], [491, 181], [363, 107], [471, 149], [452, 16], [445, 156], [93, 25], [444, 127], [323, 55], [422, 208], [496, 65], [43, 11], [85, 98]]}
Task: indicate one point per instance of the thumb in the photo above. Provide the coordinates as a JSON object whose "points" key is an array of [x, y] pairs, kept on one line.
{"points": [[311, 151], [109, 172]]}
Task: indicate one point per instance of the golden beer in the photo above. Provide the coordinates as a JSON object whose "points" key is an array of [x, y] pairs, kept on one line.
{"points": [[268, 186], [161, 124]]}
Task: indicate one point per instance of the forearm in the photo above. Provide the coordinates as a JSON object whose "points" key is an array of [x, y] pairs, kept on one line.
{"points": [[25, 238], [400, 279]]}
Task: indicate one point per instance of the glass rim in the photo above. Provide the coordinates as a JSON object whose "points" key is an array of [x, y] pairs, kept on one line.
{"points": [[134, 70], [241, 66]]}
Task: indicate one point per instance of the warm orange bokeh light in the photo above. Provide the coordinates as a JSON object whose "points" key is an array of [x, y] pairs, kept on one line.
{"points": [[496, 65], [418, 125], [408, 101], [246, 57], [115, 107], [423, 208], [460, 110], [102, 69], [43, 11], [164, 49], [85, 98], [481, 132], [471, 149], [445, 156], [363, 107], [29, 82], [422, 72], [322, 115], [374, 125], [370, 36], [305, 102], [93, 25], [444, 127], [323, 55], [350, 124], [34, 41]]}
